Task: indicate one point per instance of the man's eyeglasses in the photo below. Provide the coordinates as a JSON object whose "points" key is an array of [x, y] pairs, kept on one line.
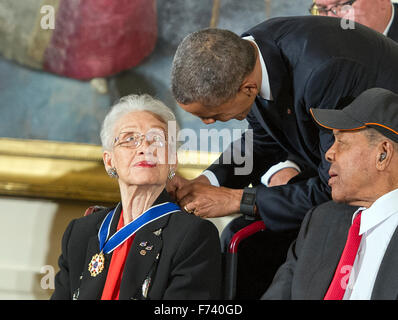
{"points": [[134, 140], [337, 9]]}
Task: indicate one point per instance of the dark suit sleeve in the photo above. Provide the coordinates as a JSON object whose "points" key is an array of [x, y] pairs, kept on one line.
{"points": [[62, 285], [283, 208], [196, 272], [281, 286]]}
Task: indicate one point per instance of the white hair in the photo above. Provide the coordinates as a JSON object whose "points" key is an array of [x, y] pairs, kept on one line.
{"points": [[132, 103]]}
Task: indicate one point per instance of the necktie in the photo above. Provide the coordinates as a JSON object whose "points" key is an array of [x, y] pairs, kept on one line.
{"points": [[338, 285]]}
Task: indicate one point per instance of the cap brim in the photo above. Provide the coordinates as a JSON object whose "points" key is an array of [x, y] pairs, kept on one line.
{"points": [[335, 119]]}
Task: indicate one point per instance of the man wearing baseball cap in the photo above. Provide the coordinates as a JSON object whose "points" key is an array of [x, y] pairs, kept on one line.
{"points": [[347, 249]]}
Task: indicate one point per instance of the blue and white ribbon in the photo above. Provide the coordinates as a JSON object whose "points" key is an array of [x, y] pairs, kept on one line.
{"points": [[108, 245]]}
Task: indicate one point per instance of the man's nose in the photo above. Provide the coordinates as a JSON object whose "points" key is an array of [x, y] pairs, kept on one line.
{"points": [[329, 155]]}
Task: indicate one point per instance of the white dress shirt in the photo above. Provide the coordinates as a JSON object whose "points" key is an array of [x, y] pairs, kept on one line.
{"points": [[265, 90], [391, 20], [265, 179], [378, 224]]}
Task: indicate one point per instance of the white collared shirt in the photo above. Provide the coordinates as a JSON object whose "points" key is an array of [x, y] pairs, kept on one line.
{"points": [[265, 90], [391, 20], [378, 224], [265, 179], [266, 93]]}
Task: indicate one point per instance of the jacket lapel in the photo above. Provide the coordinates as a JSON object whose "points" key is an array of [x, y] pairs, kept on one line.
{"points": [[279, 78], [143, 255], [386, 284], [91, 287], [334, 244], [142, 258]]}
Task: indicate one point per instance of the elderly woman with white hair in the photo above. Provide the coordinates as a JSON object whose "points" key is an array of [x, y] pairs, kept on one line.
{"points": [[146, 247]]}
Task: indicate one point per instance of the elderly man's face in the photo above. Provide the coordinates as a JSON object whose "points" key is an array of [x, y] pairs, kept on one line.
{"points": [[367, 12], [147, 163], [353, 167]]}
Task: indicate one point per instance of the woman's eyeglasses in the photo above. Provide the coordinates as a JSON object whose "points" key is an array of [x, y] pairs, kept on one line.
{"points": [[134, 140]]}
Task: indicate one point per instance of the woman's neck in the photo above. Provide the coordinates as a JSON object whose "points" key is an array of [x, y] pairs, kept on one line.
{"points": [[137, 199]]}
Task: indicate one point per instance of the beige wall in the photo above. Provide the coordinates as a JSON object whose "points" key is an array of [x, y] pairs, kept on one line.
{"points": [[30, 239]]}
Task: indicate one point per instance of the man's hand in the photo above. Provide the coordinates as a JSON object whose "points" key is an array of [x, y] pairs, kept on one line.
{"points": [[282, 177], [174, 184], [179, 182], [207, 201]]}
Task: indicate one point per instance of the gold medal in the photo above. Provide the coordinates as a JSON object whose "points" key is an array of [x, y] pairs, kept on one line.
{"points": [[96, 264]]}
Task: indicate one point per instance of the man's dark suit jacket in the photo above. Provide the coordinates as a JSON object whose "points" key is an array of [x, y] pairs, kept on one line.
{"points": [[313, 258], [189, 266], [392, 34], [312, 62]]}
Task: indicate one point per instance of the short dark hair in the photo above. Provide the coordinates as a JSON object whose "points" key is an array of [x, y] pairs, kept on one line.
{"points": [[374, 137], [209, 66]]}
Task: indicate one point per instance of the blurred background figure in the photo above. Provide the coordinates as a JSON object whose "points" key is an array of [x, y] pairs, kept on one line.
{"points": [[380, 15]]}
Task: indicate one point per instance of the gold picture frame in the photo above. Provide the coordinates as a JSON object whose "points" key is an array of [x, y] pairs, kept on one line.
{"points": [[72, 171]]}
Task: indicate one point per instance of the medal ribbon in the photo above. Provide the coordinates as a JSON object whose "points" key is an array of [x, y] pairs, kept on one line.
{"points": [[129, 229]]}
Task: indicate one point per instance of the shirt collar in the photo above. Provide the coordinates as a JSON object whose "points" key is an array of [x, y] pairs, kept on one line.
{"points": [[391, 20], [380, 210], [265, 90]]}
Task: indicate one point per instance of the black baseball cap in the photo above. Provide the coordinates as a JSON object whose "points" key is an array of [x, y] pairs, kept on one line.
{"points": [[374, 108]]}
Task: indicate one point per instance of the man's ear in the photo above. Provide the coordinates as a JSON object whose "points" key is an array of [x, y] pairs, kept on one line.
{"points": [[249, 88], [384, 155]]}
